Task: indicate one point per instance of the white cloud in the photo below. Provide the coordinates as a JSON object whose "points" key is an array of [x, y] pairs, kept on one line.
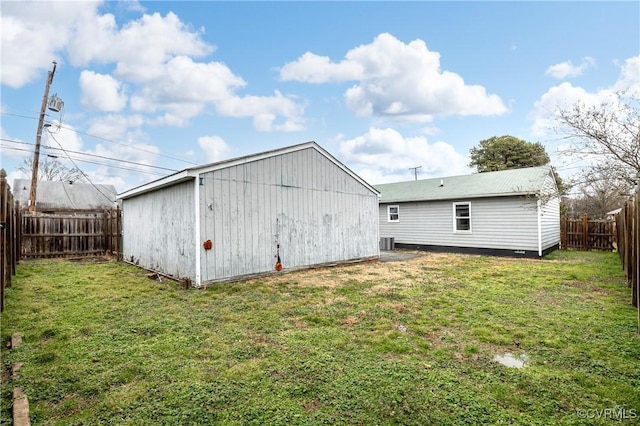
{"points": [[565, 95], [395, 80], [114, 126], [184, 88], [31, 31], [61, 137], [139, 48], [312, 68], [214, 147], [101, 92], [629, 76], [568, 69], [385, 155], [153, 60], [265, 111]]}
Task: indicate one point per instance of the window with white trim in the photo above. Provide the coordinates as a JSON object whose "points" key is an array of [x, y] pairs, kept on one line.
{"points": [[393, 213], [462, 217]]}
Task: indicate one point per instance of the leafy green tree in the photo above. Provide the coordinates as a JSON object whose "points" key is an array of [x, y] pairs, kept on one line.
{"points": [[507, 152]]}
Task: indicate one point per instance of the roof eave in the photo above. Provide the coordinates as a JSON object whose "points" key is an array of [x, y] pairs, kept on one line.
{"points": [[184, 175], [460, 197]]}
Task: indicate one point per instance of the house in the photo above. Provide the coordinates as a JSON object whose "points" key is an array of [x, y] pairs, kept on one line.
{"points": [[512, 212], [65, 196], [290, 208]]}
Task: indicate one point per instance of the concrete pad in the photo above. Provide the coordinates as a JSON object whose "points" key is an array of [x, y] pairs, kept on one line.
{"points": [[397, 255]]}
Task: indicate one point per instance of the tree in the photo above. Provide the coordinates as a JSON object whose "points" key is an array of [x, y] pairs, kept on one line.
{"points": [[507, 152], [597, 196], [606, 136], [52, 170]]}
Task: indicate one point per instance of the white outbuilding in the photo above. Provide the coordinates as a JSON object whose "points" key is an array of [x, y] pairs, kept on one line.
{"points": [[297, 206]]}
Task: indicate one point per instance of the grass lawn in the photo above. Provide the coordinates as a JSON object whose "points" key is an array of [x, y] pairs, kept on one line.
{"points": [[406, 343]]}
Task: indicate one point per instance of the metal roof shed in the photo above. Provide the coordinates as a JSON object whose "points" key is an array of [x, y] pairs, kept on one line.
{"points": [[64, 195], [232, 219]]}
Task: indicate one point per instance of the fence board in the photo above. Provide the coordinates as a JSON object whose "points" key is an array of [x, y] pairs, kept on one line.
{"points": [[9, 236], [628, 226], [67, 233], [585, 234]]}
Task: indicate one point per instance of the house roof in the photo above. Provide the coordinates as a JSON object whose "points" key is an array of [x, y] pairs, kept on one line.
{"points": [[59, 195], [193, 172], [526, 181]]}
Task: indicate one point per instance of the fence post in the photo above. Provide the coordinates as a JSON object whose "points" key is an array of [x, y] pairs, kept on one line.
{"points": [[585, 232], [636, 203], [3, 235]]}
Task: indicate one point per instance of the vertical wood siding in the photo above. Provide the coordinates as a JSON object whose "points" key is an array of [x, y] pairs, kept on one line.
{"points": [[508, 223], [314, 210], [159, 230]]}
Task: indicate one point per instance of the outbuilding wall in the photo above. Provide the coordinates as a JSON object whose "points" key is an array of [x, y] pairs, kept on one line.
{"points": [[159, 230], [298, 204]]}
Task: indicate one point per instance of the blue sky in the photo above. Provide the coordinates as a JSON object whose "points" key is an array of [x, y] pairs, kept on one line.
{"points": [[383, 86]]}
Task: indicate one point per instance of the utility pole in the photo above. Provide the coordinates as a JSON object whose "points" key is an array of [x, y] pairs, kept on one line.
{"points": [[36, 154], [415, 171]]}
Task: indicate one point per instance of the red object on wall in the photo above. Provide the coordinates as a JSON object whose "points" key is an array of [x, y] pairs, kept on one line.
{"points": [[207, 245]]}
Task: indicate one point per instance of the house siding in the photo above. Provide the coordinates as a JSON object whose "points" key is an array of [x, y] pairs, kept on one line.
{"points": [[313, 209], [503, 223], [550, 214], [158, 230]]}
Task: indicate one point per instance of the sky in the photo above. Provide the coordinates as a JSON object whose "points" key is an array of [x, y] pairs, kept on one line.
{"points": [[150, 88]]}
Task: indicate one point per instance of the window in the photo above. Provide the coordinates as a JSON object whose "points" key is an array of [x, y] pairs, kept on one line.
{"points": [[461, 217], [393, 213]]}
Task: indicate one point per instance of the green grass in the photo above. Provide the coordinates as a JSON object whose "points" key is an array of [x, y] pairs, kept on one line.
{"points": [[377, 343]]}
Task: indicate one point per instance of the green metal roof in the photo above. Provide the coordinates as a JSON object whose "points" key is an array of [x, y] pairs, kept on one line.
{"points": [[489, 184]]}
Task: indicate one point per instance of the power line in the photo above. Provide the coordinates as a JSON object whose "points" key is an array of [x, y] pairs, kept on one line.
{"points": [[80, 170], [93, 155], [131, 169], [60, 126]]}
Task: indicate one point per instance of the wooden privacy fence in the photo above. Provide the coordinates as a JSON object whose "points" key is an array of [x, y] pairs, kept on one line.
{"points": [[585, 234], [9, 235], [628, 223], [71, 233]]}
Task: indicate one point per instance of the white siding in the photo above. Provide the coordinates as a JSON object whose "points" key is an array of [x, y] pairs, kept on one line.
{"points": [[158, 230], [550, 214], [508, 223], [316, 211]]}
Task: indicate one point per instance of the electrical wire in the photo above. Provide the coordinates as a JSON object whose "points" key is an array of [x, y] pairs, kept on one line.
{"points": [[92, 155], [60, 126], [80, 170]]}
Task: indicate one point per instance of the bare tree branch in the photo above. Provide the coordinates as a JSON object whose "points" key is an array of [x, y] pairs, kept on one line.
{"points": [[608, 134]]}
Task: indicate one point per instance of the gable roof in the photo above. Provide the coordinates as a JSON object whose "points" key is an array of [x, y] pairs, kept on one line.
{"points": [[59, 195], [193, 172], [526, 181]]}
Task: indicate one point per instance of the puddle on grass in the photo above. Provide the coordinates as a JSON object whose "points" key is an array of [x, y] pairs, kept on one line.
{"points": [[511, 360]]}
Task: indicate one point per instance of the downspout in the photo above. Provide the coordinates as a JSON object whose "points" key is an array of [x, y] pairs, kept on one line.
{"points": [[196, 186], [539, 203]]}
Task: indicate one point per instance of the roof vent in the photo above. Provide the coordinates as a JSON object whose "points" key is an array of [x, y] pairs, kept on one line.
{"points": [[441, 182]]}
